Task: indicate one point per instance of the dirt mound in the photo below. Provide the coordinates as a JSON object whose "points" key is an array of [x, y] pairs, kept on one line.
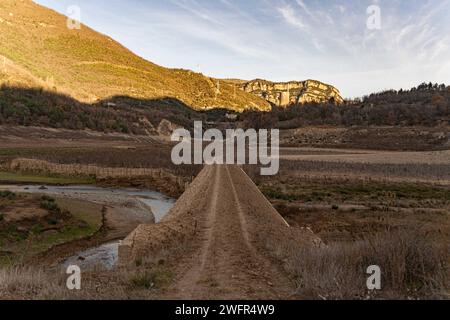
{"points": [[227, 231]]}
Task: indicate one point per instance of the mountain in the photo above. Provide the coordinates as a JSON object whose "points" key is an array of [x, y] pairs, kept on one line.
{"points": [[283, 94], [39, 50]]}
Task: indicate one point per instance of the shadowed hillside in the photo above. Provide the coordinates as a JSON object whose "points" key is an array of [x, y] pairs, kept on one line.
{"points": [[37, 49], [21, 106], [37, 107]]}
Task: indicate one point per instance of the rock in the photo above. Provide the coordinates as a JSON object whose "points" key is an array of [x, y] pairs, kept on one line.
{"points": [[294, 92], [22, 229], [166, 128], [42, 188]]}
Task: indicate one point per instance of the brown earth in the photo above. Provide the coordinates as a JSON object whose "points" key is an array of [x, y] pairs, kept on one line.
{"points": [[225, 239]]}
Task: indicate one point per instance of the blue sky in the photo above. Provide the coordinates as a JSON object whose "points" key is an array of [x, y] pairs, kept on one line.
{"points": [[283, 40]]}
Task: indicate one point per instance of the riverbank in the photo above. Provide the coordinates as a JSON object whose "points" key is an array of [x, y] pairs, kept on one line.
{"points": [[114, 212]]}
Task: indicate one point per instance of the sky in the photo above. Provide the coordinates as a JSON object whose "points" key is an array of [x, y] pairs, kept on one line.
{"points": [[360, 46]]}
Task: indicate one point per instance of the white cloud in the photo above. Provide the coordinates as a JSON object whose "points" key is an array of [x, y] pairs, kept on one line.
{"points": [[305, 8], [290, 17]]}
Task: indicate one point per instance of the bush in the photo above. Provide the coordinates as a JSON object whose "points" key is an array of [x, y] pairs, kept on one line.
{"points": [[151, 280], [49, 204], [47, 198], [7, 194], [145, 281]]}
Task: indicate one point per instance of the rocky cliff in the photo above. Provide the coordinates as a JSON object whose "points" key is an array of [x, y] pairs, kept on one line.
{"points": [[286, 93]]}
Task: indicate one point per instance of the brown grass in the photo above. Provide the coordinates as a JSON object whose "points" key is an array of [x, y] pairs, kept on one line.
{"points": [[413, 264], [24, 283], [134, 282]]}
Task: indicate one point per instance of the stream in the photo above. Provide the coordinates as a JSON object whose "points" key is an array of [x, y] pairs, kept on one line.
{"points": [[105, 255]]}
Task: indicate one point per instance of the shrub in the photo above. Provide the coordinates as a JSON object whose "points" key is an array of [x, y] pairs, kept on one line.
{"points": [[7, 194], [50, 205], [150, 280], [145, 281], [47, 198]]}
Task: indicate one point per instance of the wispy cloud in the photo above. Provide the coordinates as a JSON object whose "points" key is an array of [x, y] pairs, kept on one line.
{"points": [[290, 17]]}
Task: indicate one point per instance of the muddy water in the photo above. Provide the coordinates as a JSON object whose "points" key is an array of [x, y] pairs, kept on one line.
{"points": [[158, 202], [105, 255]]}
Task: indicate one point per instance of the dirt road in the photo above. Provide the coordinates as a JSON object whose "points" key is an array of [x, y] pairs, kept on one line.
{"points": [[227, 255]]}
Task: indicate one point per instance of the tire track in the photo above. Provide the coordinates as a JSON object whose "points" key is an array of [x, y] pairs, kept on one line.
{"points": [[224, 263], [190, 279]]}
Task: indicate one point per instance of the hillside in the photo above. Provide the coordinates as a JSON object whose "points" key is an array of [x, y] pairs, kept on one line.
{"points": [[38, 50]]}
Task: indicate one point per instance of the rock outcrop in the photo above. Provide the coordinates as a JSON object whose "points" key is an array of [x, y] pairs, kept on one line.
{"points": [[166, 128], [284, 94]]}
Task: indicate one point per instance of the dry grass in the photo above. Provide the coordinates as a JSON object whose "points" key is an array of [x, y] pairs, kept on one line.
{"points": [[369, 171], [132, 282], [27, 283], [413, 264]]}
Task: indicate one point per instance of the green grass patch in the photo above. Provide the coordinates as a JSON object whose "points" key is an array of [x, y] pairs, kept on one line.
{"points": [[43, 179], [86, 211], [85, 220], [11, 233], [35, 242], [67, 234]]}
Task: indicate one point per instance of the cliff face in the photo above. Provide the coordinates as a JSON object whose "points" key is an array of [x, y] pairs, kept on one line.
{"points": [[294, 92]]}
